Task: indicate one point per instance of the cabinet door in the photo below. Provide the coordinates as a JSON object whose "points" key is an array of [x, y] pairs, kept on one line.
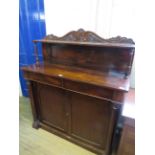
{"points": [[53, 106], [90, 118]]}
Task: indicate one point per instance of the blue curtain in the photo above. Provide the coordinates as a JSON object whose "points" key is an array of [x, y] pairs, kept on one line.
{"points": [[31, 27]]}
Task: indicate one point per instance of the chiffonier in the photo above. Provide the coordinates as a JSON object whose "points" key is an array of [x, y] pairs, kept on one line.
{"points": [[77, 91]]}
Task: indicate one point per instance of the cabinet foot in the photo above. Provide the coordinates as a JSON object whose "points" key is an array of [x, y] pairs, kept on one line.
{"points": [[36, 124]]}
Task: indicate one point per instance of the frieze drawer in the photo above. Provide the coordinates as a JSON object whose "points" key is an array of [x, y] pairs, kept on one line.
{"points": [[91, 90], [43, 79]]}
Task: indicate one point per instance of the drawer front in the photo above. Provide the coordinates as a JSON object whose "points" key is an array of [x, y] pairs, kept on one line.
{"points": [[43, 78], [88, 89]]}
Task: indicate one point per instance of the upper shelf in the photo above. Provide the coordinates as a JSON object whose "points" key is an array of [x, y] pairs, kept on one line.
{"points": [[88, 38]]}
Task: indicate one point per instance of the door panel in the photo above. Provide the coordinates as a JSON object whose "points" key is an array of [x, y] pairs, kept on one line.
{"points": [[90, 119], [53, 105]]}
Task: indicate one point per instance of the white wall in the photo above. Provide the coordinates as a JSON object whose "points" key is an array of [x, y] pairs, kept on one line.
{"points": [[20, 91], [63, 16], [108, 18]]}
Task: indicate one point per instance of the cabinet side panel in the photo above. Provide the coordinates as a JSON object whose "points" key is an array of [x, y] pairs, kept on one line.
{"points": [[34, 103]]}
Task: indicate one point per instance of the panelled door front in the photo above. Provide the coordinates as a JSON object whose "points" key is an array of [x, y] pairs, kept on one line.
{"points": [[83, 117], [90, 119], [53, 106]]}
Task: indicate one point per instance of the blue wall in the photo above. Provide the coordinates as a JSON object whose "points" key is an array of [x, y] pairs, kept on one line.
{"points": [[31, 27]]}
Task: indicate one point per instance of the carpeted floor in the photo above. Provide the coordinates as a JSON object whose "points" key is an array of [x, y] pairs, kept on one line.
{"points": [[41, 142]]}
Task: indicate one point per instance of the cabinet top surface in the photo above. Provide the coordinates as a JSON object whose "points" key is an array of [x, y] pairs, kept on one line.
{"points": [[110, 80]]}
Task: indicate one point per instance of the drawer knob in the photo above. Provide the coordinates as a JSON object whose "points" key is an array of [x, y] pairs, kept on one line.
{"points": [[60, 75]]}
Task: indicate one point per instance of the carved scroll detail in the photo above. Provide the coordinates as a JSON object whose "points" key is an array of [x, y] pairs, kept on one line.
{"points": [[88, 36]]}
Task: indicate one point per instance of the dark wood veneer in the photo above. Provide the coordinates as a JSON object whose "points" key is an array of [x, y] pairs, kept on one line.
{"points": [[78, 90], [59, 72]]}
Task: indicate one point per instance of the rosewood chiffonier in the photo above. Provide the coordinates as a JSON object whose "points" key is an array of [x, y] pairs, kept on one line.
{"points": [[77, 92]]}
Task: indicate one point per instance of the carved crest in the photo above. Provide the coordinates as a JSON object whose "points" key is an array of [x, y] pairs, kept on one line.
{"points": [[88, 36]]}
